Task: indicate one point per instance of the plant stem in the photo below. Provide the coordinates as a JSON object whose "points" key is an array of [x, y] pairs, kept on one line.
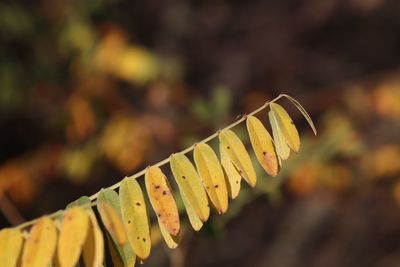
{"points": [[163, 162], [189, 149]]}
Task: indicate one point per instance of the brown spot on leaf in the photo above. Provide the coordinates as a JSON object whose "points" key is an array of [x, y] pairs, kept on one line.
{"points": [[216, 186], [183, 177], [137, 203], [144, 239], [157, 186], [164, 192]]}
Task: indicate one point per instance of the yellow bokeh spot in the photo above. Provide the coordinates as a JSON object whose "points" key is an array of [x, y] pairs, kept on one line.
{"points": [[125, 142], [127, 62]]}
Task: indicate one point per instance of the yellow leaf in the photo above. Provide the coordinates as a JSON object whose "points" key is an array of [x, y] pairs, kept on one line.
{"points": [[281, 146], [121, 256], [212, 176], [162, 199], [10, 247], [262, 144], [73, 233], [93, 248], [303, 112], [190, 186], [114, 253], [109, 208], [41, 244], [112, 221], [194, 219], [170, 240], [287, 125], [134, 217], [233, 176], [238, 155]]}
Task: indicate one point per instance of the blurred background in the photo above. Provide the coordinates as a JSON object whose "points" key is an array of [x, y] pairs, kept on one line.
{"points": [[91, 91]]}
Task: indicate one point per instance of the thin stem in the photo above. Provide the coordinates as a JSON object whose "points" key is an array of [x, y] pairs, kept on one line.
{"points": [[189, 149], [163, 162]]}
